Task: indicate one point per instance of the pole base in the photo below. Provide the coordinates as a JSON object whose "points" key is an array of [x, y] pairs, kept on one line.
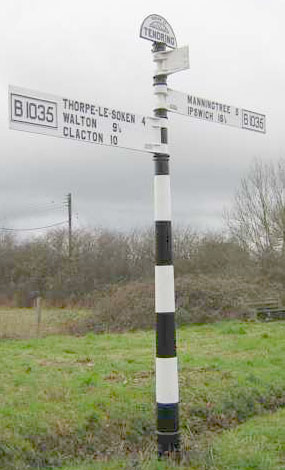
{"points": [[168, 445]]}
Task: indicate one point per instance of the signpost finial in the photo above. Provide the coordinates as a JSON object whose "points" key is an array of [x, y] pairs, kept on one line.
{"points": [[155, 28]]}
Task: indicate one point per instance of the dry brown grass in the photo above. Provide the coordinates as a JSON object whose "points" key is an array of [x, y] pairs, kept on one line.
{"points": [[22, 323], [199, 299], [122, 307], [129, 306]]}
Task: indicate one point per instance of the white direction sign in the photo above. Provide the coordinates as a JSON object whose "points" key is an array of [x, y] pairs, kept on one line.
{"points": [[214, 111], [83, 121]]}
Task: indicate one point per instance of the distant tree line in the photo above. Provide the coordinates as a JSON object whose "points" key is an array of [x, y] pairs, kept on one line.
{"points": [[254, 241], [100, 258]]}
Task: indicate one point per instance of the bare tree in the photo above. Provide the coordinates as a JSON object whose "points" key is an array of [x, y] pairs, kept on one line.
{"points": [[257, 218]]}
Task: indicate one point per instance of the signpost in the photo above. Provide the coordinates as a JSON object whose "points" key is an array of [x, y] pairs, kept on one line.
{"points": [[84, 121], [168, 62], [215, 111], [87, 121], [167, 390]]}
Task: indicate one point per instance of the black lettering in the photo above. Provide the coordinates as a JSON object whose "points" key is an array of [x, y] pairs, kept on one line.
{"points": [[98, 137], [41, 113], [18, 108], [66, 117], [114, 140], [32, 110], [103, 112], [49, 114]]}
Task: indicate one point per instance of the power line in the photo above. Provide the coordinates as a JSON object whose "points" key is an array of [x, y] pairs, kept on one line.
{"points": [[43, 205], [37, 209], [34, 228], [47, 209]]}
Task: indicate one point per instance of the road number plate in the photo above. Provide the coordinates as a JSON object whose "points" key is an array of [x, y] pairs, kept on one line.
{"points": [[253, 121], [33, 111]]}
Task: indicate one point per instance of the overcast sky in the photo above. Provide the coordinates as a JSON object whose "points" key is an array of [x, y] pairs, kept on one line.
{"points": [[91, 50]]}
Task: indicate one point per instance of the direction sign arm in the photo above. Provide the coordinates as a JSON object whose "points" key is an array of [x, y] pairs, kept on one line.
{"points": [[169, 62], [211, 110]]}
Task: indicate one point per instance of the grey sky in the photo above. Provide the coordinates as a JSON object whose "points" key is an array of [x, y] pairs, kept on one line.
{"points": [[91, 50]]}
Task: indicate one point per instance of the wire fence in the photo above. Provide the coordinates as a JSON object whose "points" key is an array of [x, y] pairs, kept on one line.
{"points": [[25, 323]]}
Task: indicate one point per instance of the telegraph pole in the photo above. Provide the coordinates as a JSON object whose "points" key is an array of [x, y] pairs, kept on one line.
{"points": [[69, 205]]}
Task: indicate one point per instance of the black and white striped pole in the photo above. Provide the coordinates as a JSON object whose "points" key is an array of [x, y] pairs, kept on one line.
{"points": [[167, 393], [157, 29]]}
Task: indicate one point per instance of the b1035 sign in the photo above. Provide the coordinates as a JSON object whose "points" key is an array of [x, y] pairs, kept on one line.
{"points": [[82, 121], [33, 111], [253, 121]]}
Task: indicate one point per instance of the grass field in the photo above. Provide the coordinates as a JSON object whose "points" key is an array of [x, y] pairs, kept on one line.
{"points": [[78, 403]]}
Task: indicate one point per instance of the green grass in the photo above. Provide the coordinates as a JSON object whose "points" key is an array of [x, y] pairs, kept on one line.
{"points": [[90, 400], [258, 444]]}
